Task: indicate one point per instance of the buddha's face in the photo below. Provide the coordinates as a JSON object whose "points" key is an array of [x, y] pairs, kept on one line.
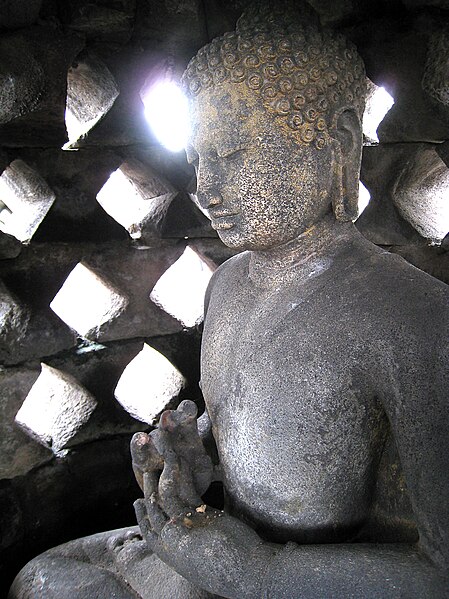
{"points": [[260, 187]]}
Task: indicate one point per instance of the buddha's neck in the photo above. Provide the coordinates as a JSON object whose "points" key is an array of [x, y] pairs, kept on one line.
{"points": [[316, 243]]}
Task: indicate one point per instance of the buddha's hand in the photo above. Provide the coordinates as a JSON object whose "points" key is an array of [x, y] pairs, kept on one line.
{"points": [[205, 545], [177, 433]]}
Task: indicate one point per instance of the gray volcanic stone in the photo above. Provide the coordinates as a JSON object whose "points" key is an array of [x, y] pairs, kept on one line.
{"points": [[403, 45], [174, 27], [18, 452], [381, 221], [36, 73], [18, 13], [100, 22]]}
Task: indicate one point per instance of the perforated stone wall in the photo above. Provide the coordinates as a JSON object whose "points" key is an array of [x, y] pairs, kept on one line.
{"points": [[104, 258]]}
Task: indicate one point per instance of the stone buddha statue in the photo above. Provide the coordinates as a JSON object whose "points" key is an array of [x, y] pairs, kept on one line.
{"points": [[322, 368]]}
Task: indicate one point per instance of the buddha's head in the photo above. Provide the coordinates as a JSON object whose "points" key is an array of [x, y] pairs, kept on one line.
{"points": [[276, 136]]}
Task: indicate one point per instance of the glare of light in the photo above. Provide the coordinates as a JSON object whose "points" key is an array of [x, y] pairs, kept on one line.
{"points": [[364, 198], [55, 408], [377, 106], [180, 290], [87, 301], [167, 112], [148, 384]]}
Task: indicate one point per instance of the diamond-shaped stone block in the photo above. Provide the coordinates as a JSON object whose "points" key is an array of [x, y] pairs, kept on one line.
{"points": [[87, 301], [55, 408], [148, 385], [180, 290], [137, 198], [25, 199]]}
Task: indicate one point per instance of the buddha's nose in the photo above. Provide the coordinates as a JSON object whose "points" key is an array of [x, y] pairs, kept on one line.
{"points": [[208, 179], [208, 198]]}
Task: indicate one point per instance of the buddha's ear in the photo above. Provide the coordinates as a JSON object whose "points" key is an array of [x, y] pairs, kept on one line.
{"points": [[347, 132]]}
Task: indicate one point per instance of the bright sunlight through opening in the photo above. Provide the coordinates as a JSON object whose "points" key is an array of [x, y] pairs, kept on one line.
{"points": [[378, 104], [180, 290], [167, 112], [364, 197], [148, 384], [55, 409]]}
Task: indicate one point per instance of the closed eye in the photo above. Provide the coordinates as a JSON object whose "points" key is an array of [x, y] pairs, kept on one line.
{"points": [[231, 153]]}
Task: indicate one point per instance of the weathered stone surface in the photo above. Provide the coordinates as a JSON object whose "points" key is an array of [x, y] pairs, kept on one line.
{"points": [[39, 511], [22, 79], [27, 330], [88, 301], [148, 198], [353, 384], [25, 200], [177, 27], [75, 178], [45, 335], [18, 452], [435, 80], [443, 152], [10, 247], [424, 3], [34, 278], [132, 272], [152, 371], [99, 21], [431, 259], [37, 97], [91, 92], [124, 124], [60, 500], [184, 219], [409, 184], [18, 13], [421, 193], [213, 251], [55, 409], [14, 319], [381, 221], [403, 45]]}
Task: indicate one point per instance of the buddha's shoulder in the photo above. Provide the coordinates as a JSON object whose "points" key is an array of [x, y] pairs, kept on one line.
{"points": [[229, 275], [232, 270], [388, 289], [384, 272]]}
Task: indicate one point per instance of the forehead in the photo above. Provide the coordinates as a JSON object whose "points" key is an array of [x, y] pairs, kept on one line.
{"points": [[226, 113]]}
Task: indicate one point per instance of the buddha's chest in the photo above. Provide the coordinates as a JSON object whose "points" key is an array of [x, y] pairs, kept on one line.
{"points": [[297, 430]]}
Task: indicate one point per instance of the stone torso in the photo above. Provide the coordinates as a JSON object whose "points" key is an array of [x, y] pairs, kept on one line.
{"points": [[289, 383]]}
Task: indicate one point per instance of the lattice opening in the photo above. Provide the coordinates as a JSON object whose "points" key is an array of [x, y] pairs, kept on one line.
{"points": [[364, 197], [56, 407], [25, 199], [180, 290], [148, 385], [87, 301], [91, 92], [378, 103], [136, 197]]}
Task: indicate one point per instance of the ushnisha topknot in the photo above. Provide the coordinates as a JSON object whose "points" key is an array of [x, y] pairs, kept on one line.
{"points": [[302, 73]]}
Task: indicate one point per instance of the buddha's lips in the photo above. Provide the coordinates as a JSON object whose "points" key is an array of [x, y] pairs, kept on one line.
{"points": [[222, 221]]}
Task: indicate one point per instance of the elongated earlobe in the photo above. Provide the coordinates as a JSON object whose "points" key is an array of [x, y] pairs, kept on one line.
{"points": [[347, 148]]}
